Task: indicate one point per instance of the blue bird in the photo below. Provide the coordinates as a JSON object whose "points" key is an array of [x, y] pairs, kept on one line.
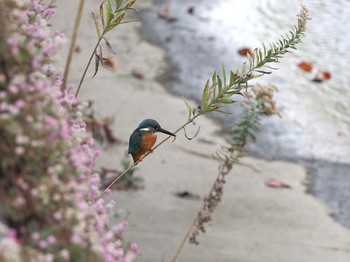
{"points": [[144, 137]]}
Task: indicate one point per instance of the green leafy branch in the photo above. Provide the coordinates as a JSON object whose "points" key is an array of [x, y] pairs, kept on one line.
{"points": [[221, 88], [109, 18]]}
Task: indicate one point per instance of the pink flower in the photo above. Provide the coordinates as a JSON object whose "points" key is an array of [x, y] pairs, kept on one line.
{"points": [[42, 244], [111, 204], [48, 47], [49, 12], [19, 150], [135, 248], [13, 89], [35, 236], [13, 46], [11, 232], [20, 103], [64, 253], [51, 240]]}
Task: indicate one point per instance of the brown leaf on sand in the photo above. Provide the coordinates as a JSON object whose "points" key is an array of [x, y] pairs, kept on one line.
{"points": [[187, 195], [245, 50], [137, 74], [165, 14], [107, 170], [275, 183], [305, 66], [101, 129]]}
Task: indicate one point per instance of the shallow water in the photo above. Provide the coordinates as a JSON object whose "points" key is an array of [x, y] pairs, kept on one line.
{"points": [[316, 116]]}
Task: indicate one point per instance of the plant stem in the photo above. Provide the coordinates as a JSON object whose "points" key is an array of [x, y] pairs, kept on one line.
{"points": [[88, 64], [178, 251], [72, 44], [144, 156], [222, 172]]}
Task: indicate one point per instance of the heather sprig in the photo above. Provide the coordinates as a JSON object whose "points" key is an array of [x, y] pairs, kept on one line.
{"points": [[46, 155]]}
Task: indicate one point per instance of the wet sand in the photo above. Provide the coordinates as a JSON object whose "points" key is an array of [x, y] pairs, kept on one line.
{"points": [[252, 223]]}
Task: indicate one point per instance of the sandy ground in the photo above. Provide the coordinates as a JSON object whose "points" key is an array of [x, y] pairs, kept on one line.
{"points": [[252, 223]]}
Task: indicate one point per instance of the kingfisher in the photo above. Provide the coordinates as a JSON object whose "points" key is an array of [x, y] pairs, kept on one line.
{"points": [[144, 137]]}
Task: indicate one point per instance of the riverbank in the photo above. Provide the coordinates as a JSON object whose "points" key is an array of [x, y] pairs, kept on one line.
{"points": [[252, 223]]}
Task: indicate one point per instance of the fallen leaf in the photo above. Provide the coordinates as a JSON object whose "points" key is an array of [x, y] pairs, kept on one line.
{"points": [[138, 74], [275, 183], [321, 76], [187, 195], [244, 51], [164, 14], [107, 170], [190, 10], [305, 66], [326, 75]]}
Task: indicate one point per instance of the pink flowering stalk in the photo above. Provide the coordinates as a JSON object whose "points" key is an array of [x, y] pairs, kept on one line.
{"points": [[46, 154]]}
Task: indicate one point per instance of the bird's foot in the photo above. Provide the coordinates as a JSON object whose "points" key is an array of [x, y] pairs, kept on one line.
{"points": [[151, 150], [139, 160]]}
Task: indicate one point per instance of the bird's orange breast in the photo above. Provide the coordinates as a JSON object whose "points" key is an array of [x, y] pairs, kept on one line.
{"points": [[147, 142]]}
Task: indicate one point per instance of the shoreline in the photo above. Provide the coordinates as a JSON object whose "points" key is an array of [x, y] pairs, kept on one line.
{"points": [[252, 223]]}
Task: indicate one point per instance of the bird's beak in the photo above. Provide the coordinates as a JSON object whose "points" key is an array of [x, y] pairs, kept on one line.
{"points": [[165, 131]]}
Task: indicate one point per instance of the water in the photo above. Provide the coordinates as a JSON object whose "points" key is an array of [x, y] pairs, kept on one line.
{"points": [[315, 128]]}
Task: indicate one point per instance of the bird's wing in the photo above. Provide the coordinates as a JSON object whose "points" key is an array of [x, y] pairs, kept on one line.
{"points": [[135, 141]]}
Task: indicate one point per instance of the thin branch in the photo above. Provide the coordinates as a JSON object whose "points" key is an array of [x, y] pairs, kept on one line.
{"points": [[116, 180], [195, 135], [189, 231], [72, 44], [143, 157], [88, 64]]}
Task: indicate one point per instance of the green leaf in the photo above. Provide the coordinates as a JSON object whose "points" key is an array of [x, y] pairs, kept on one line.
{"points": [[205, 96], [263, 72], [128, 21], [226, 101], [231, 93], [219, 84], [223, 111], [214, 78], [244, 68], [188, 107], [97, 26], [109, 12], [118, 3], [134, 9], [102, 15], [251, 60], [223, 74], [130, 4], [232, 78], [115, 22]]}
